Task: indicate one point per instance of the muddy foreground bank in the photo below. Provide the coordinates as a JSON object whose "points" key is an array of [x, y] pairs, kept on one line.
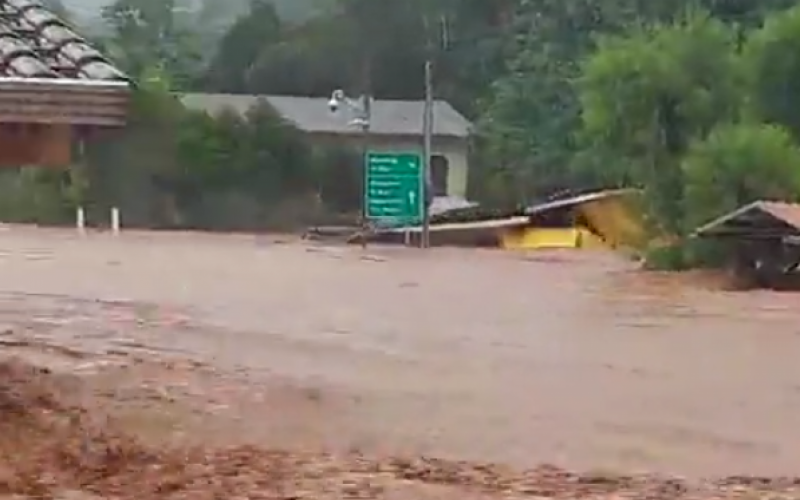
{"points": [[55, 442], [333, 359]]}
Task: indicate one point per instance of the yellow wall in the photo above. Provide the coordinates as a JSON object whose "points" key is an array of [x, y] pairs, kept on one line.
{"points": [[530, 238], [617, 220]]}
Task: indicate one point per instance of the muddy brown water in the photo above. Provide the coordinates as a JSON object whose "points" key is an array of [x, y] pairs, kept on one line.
{"points": [[558, 357]]}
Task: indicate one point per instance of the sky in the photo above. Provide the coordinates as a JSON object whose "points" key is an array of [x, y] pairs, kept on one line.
{"points": [[85, 10]]}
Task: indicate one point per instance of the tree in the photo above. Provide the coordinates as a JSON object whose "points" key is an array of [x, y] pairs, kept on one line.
{"points": [[745, 13], [772, 58], [738, 164], [299, 11], [251, 34], [647, 96], [150, 33], [137, 168], [531, 111], [356, 46]]}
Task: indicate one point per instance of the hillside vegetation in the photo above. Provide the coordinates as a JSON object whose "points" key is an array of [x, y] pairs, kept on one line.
{"points": [[694, 101]]}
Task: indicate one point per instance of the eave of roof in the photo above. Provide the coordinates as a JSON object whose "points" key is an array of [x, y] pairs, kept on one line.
{"points": [[63, 83], [312, 114], [580, 199], [788, 214]]}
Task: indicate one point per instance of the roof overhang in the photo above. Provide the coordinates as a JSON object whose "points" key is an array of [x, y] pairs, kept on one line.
{"points": [[575, 201], [63, 101], [757, 220], [494, 224], [353, 133]]}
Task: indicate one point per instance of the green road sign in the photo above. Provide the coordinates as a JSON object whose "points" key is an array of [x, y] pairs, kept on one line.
{"points": [[393, 187]]}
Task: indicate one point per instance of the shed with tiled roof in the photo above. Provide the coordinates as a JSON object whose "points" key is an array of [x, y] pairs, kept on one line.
{"points": [[53, 85]]}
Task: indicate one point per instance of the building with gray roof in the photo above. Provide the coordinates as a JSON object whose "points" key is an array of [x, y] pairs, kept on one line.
{"points": [[395, 126]]}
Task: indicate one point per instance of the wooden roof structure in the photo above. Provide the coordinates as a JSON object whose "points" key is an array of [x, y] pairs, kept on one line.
{"points": [[50, 74], [54, 87], [757, 220]]}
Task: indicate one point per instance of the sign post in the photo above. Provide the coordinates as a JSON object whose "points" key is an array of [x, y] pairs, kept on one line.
{"points": [[393, 192]]}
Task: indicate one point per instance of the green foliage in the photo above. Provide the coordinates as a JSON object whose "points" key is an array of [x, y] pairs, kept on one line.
{"points": [[646, 95], [662, 106], [657, 87], [772, 58], [532, 111], [241, 46], [744, 13], [737, 164], [35, 196], [669, 257], [175, 167], [695, 101], [151, 33]]}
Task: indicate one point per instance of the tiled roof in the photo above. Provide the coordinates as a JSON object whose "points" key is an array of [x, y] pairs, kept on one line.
{"points": [[750, 218], [35, 43], [787, 212], [312, 114]]}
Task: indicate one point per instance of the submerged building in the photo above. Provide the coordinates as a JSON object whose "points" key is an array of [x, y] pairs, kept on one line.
{"points": [[602, 219], [608, 219]]}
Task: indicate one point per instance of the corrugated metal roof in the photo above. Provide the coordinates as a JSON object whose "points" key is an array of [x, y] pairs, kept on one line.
{"points": [[35, 43], [312, 114], [577, 200]]}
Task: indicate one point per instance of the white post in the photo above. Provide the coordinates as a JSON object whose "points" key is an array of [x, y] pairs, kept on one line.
{"points": [[80, 220], [115, 220]]}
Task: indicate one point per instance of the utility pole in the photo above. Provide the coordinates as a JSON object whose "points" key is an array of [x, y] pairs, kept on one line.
{"points": [[366, 120], [427, 152], [366, 126], [427, 134]]}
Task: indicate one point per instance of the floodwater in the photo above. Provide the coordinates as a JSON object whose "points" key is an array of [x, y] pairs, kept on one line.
{"points": [[576, 359]]}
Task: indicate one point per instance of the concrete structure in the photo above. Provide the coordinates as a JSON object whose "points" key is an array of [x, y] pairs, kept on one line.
{"points": [[396, 126], [54, 87]]}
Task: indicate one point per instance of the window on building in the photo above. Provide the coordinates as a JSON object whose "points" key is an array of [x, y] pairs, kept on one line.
{"points": [[439, 173]]}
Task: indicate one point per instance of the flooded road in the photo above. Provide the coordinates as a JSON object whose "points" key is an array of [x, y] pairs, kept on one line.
{"points": [[573, 359]]}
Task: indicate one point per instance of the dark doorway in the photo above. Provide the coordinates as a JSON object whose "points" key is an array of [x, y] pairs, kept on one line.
{"points": [[440, 171]]}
